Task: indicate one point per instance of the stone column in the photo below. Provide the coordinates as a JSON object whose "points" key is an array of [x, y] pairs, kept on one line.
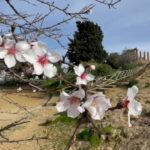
{"points": [[140, 55], [144, 55], [148, 59], [136, 54]]}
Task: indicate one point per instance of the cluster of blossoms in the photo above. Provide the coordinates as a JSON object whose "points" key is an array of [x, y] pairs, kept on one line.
{"points": [[96, 104], [35, 53], [75, 103]]}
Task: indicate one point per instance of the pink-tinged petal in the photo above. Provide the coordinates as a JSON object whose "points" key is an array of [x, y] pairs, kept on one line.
{"points": [[38, 68], [97, 104], [73, 112], [50, 70], [132, 92], [90, 77], [101, 111], [9, 43], [39, 48], [80, 93], [80, 109], [3, 53], [80, 81], [22, 46], [92, 110], [62, 106], [64, 96], [10, 61], [79, 70], [135, 108], [1, 40], [54, 57], [88, 103], [102, 101], [30, 56], [19, 57]]}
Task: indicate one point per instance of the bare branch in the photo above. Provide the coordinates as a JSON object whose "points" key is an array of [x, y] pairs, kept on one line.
{"points": [[27, 81]]}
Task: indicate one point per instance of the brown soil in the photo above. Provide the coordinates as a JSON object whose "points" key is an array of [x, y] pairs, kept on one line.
{"points": [[14, 106]]}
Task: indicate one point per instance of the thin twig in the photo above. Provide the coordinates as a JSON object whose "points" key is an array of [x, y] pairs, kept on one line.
{"points": [[74, 134], [13, 124], [25, 140], [27, 81]]}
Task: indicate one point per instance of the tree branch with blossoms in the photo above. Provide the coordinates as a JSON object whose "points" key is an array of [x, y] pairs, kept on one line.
{"points": [[75, 89], [78, 102]]}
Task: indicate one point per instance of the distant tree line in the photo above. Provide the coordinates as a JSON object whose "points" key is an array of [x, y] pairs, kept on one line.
{"points": [[86, 46], [126, 60]]}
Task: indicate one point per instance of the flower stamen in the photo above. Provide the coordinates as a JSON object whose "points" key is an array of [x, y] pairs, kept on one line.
{"points": [[74, 100], [12, 51], [83, 76], [43, 60]]}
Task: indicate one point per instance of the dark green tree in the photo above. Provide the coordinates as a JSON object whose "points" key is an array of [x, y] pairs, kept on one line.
{"points": [[113, 60], [87, 44]]}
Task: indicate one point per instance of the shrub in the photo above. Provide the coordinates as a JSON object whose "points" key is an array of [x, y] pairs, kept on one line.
{"points": [[128, 66], [102, 70], [132, 82]]}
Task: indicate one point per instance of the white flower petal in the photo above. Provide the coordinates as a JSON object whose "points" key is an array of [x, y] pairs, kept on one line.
{"points": [[3, 53], [10, 61], [62, 106], [80, 93], [97, 104], [64, 96], [50, 70], [79, 69], [88, 103], [22, 46], [132, 92], [90, 77], [30, 56], [92, 110], [73, 112], [9, 43], [54, 57], [39, 48], [38, 68], [19, 57], [135, 108], [80, 109], [80, 81], [103, 103]]}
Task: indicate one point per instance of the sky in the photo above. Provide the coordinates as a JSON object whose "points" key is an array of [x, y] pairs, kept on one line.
{"points": [[126, 26]]}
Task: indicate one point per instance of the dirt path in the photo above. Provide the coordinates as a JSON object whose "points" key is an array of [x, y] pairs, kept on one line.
{"points": [[14, 106]]}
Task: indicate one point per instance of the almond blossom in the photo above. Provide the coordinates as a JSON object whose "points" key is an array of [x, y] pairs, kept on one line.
{"points": [[42, 59], [71, 103], [134, 107], [97, 104], [83, 77], [23, 46], [10, 53]]}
